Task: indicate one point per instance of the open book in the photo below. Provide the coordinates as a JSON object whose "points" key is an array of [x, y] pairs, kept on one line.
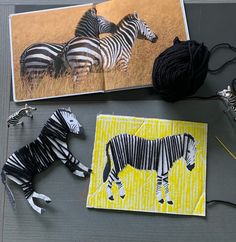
{"points": [[88, 66]]}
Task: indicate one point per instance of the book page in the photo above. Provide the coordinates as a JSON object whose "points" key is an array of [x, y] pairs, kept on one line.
{"points": [[55, 26], [164, 17]]}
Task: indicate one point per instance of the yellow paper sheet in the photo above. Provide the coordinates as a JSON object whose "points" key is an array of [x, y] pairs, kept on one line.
{"points": [[187, 189]]}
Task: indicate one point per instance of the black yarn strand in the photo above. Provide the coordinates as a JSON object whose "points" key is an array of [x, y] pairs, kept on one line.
{"points": [[221, 201], [231, 61]]}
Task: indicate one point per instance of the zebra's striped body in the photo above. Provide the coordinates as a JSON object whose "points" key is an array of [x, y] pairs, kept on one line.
{"points": [[83, 55], [14, 119], [36, 60], [32, 159], [158, 155], [229, 98]]}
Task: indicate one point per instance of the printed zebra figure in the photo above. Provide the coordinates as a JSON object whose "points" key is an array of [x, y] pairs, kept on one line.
{"points": [[35, 157], [229, 97], [14, 119], [36, 60], [83, 55], [158, 155]]}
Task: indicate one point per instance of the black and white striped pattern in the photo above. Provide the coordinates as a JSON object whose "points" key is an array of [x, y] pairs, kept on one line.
{"points": [[229, 97], [14, 119], [32, 159], [83, 55], [36, 60], [158, 155]]}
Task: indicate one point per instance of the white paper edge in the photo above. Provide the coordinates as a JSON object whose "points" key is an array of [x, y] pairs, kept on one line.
{"points": [[185, 19]]}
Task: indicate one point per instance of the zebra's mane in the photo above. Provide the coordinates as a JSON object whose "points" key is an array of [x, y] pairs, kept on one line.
{"points": [[189, 136], [84, 19], [56, 129], [128, 17]]}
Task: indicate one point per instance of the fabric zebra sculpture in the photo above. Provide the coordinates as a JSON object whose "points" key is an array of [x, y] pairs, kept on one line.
{"points": [[158, 155], [50, 145], [229, 97], [83, 55], [36, 60], [14, 119]]}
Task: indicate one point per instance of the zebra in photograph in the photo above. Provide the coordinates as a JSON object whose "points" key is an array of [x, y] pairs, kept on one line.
{"points": [[155, 155], [229, 97], [36, 60], [37, 156], [14, 119], [84, 55]]}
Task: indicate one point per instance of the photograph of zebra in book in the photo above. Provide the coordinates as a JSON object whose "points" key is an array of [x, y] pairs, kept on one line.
{"points": [[87, 49], [37, 59], [23, 165], [158, 155], [149, 165]]}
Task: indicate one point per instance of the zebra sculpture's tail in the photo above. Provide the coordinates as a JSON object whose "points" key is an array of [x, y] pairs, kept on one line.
{"points": [[9, 192], [108, 164]]}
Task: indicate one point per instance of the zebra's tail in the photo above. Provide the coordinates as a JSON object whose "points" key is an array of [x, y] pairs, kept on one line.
{"points": [[9, 192], [108, 164], [58, 66]]}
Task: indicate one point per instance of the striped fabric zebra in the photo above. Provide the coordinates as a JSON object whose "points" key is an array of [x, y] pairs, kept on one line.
{"points": [[14, 119], [158, 155], [229, 98], [32, 159], [83, 55], [36, 60]]}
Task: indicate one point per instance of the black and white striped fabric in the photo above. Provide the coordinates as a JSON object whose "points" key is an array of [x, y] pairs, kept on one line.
{"points": [[229, 97], [36, 60], [83, 55], [32, 159], [14, 119], [158, 155]]}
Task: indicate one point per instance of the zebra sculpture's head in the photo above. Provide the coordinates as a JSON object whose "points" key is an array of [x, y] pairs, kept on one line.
{"points": [[226, 93], [91, 25], [189, 151], [28, 109], [143, 30], [71, 121]]}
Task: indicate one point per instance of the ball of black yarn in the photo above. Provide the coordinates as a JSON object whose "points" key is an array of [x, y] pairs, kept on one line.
{"points": [[180, 70]]}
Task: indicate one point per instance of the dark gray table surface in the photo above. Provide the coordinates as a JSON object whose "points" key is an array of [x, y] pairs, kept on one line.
{"points": [[67, 218]]}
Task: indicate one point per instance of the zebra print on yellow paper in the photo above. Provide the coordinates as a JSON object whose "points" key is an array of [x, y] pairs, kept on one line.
{"points": [[137, 186]]}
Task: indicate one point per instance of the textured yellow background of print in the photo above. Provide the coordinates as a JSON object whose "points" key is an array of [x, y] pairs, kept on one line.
{"points": [[187, 189]]}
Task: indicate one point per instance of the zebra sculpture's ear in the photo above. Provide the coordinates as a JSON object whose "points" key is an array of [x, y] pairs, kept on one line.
{"points": [[26, 105], [136, 15], [69, 109]]}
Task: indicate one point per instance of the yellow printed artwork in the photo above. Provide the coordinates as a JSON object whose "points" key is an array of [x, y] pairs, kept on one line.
{"points": [[149, 165]]}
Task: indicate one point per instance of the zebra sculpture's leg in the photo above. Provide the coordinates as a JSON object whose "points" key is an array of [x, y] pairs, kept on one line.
{"points": [[19, 123], [166, 187], [113, 177], [76, 167], [29, 186]]}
